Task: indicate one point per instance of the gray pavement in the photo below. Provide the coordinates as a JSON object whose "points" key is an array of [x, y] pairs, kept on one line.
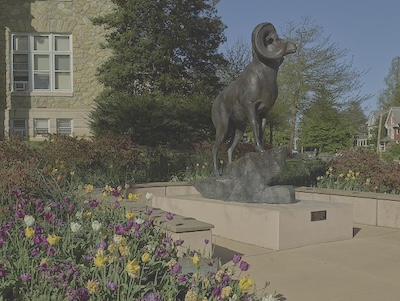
{"points": [[365, 268]]}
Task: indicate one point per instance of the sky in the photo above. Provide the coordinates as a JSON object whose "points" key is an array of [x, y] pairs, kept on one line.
{"points": [[368, 29]]}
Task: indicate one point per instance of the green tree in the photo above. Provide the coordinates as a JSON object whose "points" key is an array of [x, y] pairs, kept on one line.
{"points": [[317, 63], [165, 53], [325, 126], [390, 95]]}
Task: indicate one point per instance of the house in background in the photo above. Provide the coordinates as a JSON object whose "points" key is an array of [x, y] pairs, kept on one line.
{"points": [[49, 54], [392, 125]]}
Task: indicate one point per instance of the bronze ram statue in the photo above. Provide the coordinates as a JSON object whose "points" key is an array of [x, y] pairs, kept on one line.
{"points": [[249, 98]]}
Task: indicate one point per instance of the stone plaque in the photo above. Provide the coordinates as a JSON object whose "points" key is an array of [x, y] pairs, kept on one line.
{"points": [[318, 215]]}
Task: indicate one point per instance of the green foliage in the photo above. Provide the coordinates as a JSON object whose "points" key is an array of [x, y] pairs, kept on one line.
{"points": [[162, 74], [153, 119], [300, 172], [392, 152], [390, 95], [361, 169]]}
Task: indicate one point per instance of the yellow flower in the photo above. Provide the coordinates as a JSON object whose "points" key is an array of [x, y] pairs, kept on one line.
{"points": [[29, 232], [171, 263], [221, 162], [196, 260], [119, 188], [327, 172], [127, 186], [100, 260], [245, 284], [133, 197], [206, 282], [107, 188], [367, 181], [93, 286], [357, 173], [330, 169], [88, 214], [341, 175], [132, 268], [146, 257], [88, 188], [53, 239], [226, 291], [72, 173], [123, 250], [190, 296], [218, 275], [129, 215]]}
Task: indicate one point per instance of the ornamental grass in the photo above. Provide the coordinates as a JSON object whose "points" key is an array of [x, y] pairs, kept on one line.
{"points": [[84, 248]]}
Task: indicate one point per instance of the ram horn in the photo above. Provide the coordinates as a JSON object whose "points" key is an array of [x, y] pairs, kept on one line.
{"points": [[259, 38]]}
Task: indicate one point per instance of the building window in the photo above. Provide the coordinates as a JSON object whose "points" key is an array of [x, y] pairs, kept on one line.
{"points": [[64, 126], [41, 62], [41, 127], [18, 127]]}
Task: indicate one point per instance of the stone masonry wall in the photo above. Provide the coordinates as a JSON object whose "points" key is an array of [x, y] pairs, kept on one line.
{"points": [[55, 16]]}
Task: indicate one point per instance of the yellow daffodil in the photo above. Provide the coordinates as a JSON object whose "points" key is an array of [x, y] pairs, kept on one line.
{"points": [[133, 197], [123, 250], [127, 186], [87, 214], [88, 188], [29, 232], [226, 291], [146, 257], [129, 215], [100, 260], [196, 260], [245, 284], [341, 175], [93, 286], [53, 239], [132, 268], [367, 181], [191, 296]]}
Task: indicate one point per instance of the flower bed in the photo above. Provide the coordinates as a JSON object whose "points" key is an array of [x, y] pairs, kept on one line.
{"points": [[82, 249]]}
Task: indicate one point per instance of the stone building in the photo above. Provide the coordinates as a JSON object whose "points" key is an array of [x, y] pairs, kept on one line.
{"points": [[49, 54]]}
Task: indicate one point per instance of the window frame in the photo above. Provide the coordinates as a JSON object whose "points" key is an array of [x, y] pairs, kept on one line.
{"points": [[33, 55], [18, 130], [41, 133], [71, 126]]}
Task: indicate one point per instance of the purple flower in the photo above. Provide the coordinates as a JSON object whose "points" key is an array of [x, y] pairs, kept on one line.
{"points": [[35, 251], [83, 294], [169, 216], [176, 268], [20, 213], [166, 241], [136, 226], [152, 297], [112, 286], [44, 267], [102, 245], [206, 241], [3, 271], [137, 234], [1, 242], [116, 193], [25, 277], [67, 199], [149, 211], [161, 252], [178, 242], [51, 251], [71, 207], [49, 217], [38, 202], [181, 279], [129, 224], [216, 291], [117, 204], [244, 266], [148, 223], [94, 203], [236, 259], [225, 280], [119, 229]]}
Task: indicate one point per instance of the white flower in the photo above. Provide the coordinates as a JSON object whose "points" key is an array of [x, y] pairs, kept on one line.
{"points": [[234, 298], [75, 227], [46, 209], [79, 214], [139, 221], [29, 220], [96, 225], [149, 196], [269, 297], [118, 238]]}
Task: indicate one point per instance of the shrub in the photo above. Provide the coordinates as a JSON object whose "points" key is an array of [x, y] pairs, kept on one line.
{"points": [[361, 169]]}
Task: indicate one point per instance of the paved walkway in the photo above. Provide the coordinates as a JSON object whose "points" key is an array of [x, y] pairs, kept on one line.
{"points": [[365, 268]]}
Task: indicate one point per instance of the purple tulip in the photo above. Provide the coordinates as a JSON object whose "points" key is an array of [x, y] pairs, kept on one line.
{"points": [[25, 277], [206, 241], [35, 251], [216, 291], [51, 251], [117, 204], [119, 229], [112, 286], [169, 216], [181, 279], [236, 259], [244, 266], [178, 242], [176, 268], [149, 211], [94, 203]]}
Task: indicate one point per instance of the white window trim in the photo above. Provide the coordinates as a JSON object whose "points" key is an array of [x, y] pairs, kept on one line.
{"points": [[52, 91], [42, 134], [71, 127]]}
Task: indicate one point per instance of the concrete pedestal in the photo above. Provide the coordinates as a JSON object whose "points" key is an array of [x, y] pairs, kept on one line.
{"points": [[271, 226]]}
